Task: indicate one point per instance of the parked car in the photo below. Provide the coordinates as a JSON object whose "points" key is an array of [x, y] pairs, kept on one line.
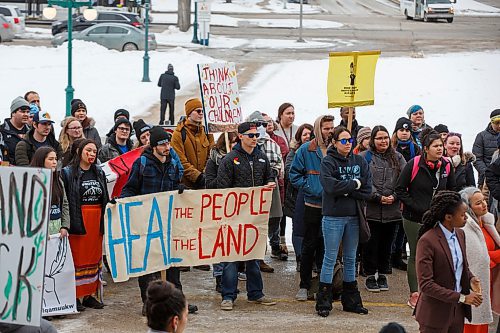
{"points": [[15, 18], [6, 30], [80, 23], [305, 2], [118, 36]]}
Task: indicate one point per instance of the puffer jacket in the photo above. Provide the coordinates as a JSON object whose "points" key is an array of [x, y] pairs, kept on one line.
{"points": [[110, 150], [11, 139], [149, 175], [212, 167], [194, 152], [90, 132], [484, 147], [240, 169], [384, 179], [72, 180], [26, 148], [464, 173]]}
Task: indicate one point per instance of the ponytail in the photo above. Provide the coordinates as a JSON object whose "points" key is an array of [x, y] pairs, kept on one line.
{"points": [[444, 202]]}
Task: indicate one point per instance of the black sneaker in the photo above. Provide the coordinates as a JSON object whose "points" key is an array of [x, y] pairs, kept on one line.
{"points": [[192, 308], [371, 284], [382, 283], [91, 302], [79, 306], [276, 253]]}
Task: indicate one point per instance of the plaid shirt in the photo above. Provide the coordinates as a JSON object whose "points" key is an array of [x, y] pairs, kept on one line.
{"points": [[273, 154]]}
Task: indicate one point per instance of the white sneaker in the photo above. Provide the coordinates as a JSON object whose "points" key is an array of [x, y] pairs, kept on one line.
{"points": [[226, 305], [301, 295], [242, 276]]}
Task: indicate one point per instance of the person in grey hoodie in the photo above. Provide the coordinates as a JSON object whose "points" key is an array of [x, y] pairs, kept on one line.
{"points": [[169, 83]]}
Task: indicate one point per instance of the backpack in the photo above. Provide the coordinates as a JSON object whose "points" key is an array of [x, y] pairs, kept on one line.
{"points": [[416, 166], [184, 134]]}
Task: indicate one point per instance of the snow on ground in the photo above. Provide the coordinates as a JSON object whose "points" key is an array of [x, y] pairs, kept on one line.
{"points": [[35, 33], [173, 37], [459, 90], [229, 21], [474, 8], [105, 80]]}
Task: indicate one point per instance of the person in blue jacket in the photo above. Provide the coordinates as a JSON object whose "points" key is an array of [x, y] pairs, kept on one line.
{"points": [[347, 184]]}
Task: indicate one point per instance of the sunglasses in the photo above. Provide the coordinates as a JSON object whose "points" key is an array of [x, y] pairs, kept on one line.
{"points": [[345, 141], [252, 135], [199, 111], [261, 123]]}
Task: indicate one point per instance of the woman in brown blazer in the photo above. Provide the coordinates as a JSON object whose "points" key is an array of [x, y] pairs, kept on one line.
{"points": [[447, 286]]}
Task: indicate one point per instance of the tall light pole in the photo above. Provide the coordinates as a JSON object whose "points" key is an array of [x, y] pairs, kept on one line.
{"points": [[195, 24], [300, 40], [90, 14], [145, 72]]}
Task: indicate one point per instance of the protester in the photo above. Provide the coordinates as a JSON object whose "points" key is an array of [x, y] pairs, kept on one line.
{"points": [[383, 213], [166, 308], [422, 178], [480, 236], [119, 114], [304, 175], [119, 142], [253, 169], [485, 145], [46, 157], [79, 111], [157, 170], [33, 110], [142, 132], [346, 182], [416, 115], [403, 141], [462, 162], [286, 116], [32, 97], [355, 128], [363, 140], [72, 130], [39, 136], [87, 193], [169, 83], [442, 130], [14, 129], [447, 285], [216, 155], [193, 144], [294, 199], [492, 180]]}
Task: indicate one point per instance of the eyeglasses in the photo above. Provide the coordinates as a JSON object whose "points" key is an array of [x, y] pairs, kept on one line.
{"points": [[384, 138], [261, 123], [124, 129], [455, 134], [75, 128], [199, 111], [345, 141], [252, 135]]}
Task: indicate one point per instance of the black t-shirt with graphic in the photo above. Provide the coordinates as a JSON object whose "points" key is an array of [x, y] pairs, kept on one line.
{"points": [[91, 191], [55, 212]]}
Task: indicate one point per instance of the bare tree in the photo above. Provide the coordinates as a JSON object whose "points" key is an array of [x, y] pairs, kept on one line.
{"points": [[184, 15]]}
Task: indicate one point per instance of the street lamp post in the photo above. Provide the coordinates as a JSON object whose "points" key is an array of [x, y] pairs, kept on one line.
{"points": [[89, 14], [301, 40], [195, 24], [145, 73]]}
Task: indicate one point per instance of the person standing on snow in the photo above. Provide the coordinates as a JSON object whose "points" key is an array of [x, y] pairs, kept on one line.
{"points": [[416, 115], [168, 83]]}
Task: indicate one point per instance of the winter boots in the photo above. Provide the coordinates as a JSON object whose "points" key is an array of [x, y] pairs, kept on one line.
{"points": [[351, 299], [324, 299]]}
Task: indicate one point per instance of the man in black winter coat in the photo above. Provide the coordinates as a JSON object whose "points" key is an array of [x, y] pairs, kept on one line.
{"points": [[14, 129], [485, 145], [168, 83]]}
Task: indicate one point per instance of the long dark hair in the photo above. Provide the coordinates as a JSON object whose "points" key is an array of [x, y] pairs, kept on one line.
{"points": [[300, 130], [221, 141], [444, 202], [390, 152], [164, 301], [77, 158], [282, 109], [339, 130], [427, 137], [38, 161]]}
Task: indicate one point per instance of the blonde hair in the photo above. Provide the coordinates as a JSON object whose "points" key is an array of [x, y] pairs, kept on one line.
{"points": [[64, 139]]}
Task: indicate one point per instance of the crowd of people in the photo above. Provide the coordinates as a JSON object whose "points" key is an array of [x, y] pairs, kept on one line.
{"points": [[356, 196]]}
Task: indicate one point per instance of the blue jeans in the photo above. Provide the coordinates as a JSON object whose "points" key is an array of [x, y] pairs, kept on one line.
{"points": [[230, 280], [336, 229], [218, 267]]}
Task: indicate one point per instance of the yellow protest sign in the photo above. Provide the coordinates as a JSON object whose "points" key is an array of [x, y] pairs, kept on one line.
{"points": [[351, 77]]}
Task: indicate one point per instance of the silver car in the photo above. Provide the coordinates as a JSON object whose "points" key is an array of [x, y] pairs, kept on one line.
{"points": [[118, 36], [15, 18], [6, 30]]}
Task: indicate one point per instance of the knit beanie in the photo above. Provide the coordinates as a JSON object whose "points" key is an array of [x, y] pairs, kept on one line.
{"points": [[140, 127], [121, 121], [441, 128], [363, 133], [255, 116], [121, 112], [170, 68], [77, 104], [191, 105], [402, 123], [495, 115], [18, 103], [413, 109], [158, 136]]}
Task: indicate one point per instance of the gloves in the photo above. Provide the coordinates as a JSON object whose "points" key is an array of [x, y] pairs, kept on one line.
{"points": [[112, 201], [200, 181], [181, 188]]}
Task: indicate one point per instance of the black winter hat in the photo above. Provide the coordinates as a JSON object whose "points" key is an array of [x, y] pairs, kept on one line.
{"points": [[140, 127], [246, 126], [121, 121], [495, 113], [441, 128], [121, 112], [158, 136], [402, 123], [77, 104]]}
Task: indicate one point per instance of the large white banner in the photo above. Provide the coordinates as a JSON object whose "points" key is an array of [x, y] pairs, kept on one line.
{"points": [[149, 233], [24, 215], [59, 290]]}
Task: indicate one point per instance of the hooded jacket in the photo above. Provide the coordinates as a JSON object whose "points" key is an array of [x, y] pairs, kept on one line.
{"points": [[150, 175], [26, 148], [305, 168], [168, 83], [484, 147], [193, 153], [340, 191], [90, 132], [110, 150], [212, 167], [11, 139]]}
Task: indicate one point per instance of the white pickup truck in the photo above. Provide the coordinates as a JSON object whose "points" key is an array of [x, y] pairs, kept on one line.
{"points": [[427, 10]]}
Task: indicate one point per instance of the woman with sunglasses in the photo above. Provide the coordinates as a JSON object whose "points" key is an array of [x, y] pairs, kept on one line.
{"points": [[422, 177], [346, 179], [462, 162], [72, 130]]}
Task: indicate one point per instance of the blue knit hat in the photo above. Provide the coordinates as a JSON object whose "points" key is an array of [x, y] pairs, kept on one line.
{"points": [[413, 109]]}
